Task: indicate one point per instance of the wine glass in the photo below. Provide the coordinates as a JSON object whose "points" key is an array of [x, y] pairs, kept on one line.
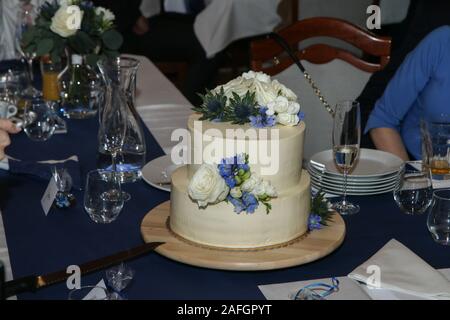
{"points": [[346, 141], [26, 19], [39, 120], [113, 127], [413, 192], [439, 217]]}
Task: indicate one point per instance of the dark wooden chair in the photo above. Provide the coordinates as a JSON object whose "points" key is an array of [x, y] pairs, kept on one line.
{"points": [[267, 55]]}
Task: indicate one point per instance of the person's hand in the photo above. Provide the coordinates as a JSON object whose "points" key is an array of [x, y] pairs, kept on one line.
{"points": [[6, 127], [141, 26]]}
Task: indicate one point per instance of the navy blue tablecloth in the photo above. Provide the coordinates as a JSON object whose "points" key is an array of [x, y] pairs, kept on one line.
{"points": [[40, 244]]}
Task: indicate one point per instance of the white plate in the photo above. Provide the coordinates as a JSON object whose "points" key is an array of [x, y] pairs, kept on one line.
{"points": [[371, 164], [351, 193], [152, 172], [359, 182], [338, 186]]}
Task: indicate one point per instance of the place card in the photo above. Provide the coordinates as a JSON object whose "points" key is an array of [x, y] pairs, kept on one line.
{"points": [[97, 293], [49, 196]]}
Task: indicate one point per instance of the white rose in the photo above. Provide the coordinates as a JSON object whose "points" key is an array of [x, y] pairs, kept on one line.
{"points": [[259, 76], [236, 192], [64, 3], [107, 14], [288, 119], [285, 92], [250, 184], [270, 190], [263, 93], [265, 188], [207, 186], [293, 108], [279, 105], [66, 21]]}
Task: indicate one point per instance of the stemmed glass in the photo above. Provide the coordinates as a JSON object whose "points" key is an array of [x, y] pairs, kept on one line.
{"points": [[26, 19], [346, 141], [113, 118], [112, 132]]}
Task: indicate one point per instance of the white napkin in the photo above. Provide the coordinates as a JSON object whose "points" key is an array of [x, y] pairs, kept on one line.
{"points": [[402, 271]]}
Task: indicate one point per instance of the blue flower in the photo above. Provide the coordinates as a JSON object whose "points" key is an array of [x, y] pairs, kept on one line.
{"points": [[301, 115], [231, 182], [237, 203], [250, 202], [315, 222], [243, 166], [262, 120], [225, 170]]}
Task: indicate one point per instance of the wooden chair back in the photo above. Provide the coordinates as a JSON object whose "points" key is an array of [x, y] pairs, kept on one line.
{"points": [[267, 55]]}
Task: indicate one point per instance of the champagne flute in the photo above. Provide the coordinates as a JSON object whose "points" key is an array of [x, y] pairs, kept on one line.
{"points": [[26, 19], [112, 132], [346, 141]]}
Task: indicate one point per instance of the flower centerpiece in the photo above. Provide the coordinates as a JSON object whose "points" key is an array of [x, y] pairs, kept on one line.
{"points": [[83, 33], [251, 98], [231, 181], [76, 25]]}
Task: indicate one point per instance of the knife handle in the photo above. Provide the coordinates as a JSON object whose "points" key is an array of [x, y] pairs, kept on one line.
{"points": [[13, 287]]}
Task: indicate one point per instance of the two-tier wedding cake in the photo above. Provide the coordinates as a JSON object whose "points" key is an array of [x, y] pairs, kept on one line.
{"points": [[244, 186]]}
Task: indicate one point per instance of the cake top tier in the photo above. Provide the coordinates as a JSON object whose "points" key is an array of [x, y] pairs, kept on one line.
{"points": [[253, 98]]}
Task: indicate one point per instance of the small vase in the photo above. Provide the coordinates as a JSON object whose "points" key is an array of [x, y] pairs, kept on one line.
{"points": [[81, 89]]}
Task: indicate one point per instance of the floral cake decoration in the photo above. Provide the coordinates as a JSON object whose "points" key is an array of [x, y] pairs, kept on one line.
{"points": [[232, 181], [252, 98]]}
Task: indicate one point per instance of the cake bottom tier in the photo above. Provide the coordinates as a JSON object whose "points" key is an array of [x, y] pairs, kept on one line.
{"points": [[218, 225]]}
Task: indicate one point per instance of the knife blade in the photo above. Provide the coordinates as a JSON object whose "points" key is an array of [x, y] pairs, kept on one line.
{"points": [[33, 283]]}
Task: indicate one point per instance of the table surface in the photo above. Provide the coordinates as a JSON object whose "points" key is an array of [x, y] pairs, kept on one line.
{"points": [[40, 244]]}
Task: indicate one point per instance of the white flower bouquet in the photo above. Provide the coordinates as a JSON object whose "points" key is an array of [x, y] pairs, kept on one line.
{"points": [[75, 25]]}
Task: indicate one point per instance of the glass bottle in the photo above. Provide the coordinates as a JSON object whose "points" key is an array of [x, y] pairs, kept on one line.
{"points": [[81, 89], [50, 79], [131, 158]]}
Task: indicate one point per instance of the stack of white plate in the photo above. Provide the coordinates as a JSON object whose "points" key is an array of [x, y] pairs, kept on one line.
{"points": [[375, 172]]}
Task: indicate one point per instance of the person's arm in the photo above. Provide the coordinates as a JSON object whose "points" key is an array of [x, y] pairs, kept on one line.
{"points": [[6, 126], [404, 89], [389, 140]]}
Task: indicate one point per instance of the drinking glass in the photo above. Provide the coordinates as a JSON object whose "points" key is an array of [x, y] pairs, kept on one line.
{"points": [[39, 120], [439, 217], [103, 199], [114, 117], [436, 145], [26, 19], [346, 141], [413, 192]]}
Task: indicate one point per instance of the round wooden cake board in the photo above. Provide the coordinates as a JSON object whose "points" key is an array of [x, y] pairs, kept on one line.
{"points": [[308, 248]]}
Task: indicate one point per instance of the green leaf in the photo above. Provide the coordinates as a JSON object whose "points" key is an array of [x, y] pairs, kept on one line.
{"points": [[82, 43], [92, 59], [112, 39], [44, 47], [28, 36]]}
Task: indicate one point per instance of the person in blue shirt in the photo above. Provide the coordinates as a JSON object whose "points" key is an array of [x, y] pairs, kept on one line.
{"points": [[419, 89]]}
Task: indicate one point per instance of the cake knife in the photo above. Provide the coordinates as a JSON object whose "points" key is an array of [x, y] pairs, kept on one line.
{"points": [[33, 283]]}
